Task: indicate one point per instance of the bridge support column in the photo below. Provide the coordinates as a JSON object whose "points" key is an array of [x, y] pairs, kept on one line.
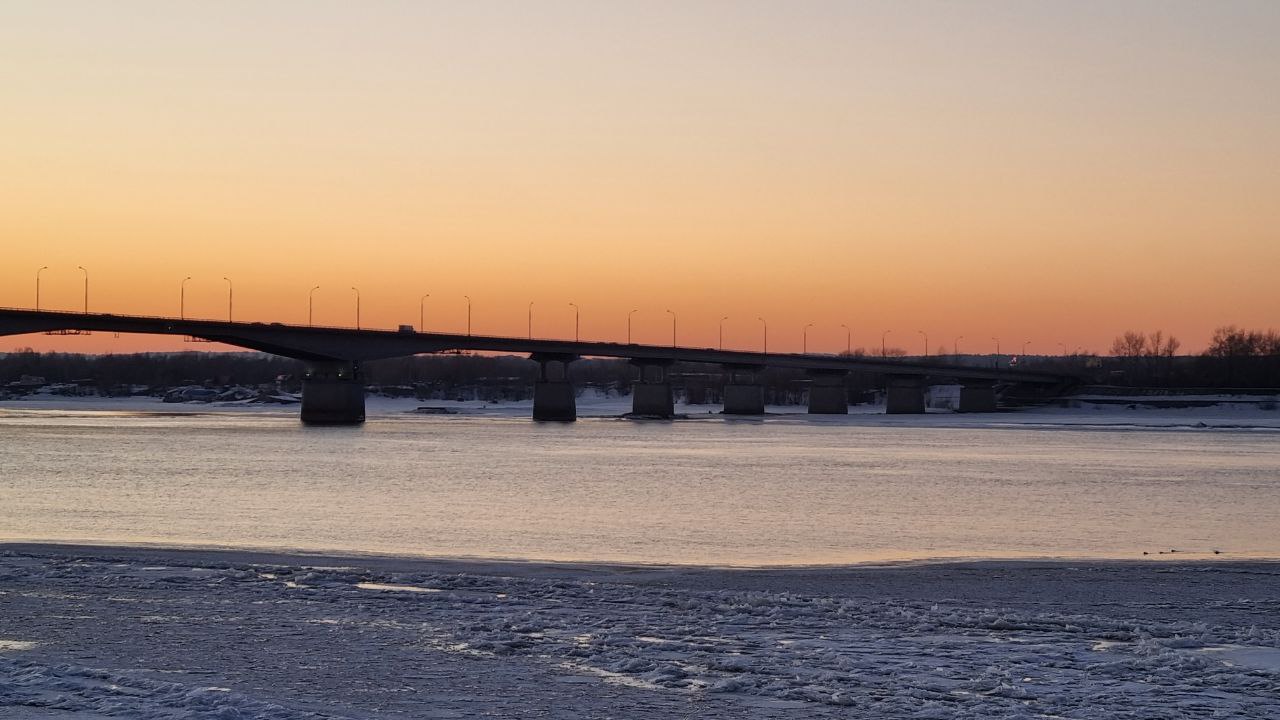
{"points": [[553, 396], [743, 392], [651, 393], [977, 396], [904, 395], [827, 393], [332, 394]]}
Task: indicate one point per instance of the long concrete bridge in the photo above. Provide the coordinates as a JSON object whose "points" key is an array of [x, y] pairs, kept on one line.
{"points": [[333, 391]]}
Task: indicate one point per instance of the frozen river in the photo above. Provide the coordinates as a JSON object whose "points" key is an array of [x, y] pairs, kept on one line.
{"points": [[106, 631], [787, 489]]}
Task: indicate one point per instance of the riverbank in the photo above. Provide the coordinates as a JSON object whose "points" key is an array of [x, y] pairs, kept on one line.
{"points": [[95, 632]]}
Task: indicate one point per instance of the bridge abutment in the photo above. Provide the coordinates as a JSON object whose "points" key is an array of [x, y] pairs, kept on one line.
{"points": [[553, 396], [651, 393], [332, 394], [904, 395], [743, 391], [977, 396], [827, 393]]}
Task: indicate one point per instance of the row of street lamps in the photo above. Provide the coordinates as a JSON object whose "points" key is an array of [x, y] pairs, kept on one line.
{"points": [[577, 316], [86, 286]]}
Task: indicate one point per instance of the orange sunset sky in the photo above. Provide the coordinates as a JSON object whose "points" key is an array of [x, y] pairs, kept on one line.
{"points": [[1051, 172]]}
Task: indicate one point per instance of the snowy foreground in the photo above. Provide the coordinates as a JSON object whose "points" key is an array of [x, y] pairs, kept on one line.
{"points": [[140, 633]]}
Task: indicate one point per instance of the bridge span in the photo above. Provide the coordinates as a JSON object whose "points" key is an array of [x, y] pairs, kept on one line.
{"points": [[333, 391]]}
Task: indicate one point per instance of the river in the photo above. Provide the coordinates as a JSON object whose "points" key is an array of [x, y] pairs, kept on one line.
{"points": [[709, 490]]}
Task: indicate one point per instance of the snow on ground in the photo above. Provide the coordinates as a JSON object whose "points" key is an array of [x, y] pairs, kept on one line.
{"points": [[145, 633], [1224, 416]]}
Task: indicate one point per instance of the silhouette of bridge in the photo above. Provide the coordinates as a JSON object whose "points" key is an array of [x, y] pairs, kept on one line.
{"points": [[333, 392]]}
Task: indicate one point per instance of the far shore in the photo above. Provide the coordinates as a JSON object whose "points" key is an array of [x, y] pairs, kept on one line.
{"points": [[1084, 414]]}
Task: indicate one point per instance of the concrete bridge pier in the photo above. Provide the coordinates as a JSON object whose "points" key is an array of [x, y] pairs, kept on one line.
{"points": [[651, 393], [827, 393], [553, 397], [332, 393], [977, 396], [743, 391], [904, 395]]}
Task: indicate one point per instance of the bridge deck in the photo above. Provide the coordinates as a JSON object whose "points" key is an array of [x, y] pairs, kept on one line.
{"points": [[348, 344]]}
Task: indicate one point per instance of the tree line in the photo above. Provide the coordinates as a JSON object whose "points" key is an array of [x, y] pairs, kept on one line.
{"points": [[1235, 358]]}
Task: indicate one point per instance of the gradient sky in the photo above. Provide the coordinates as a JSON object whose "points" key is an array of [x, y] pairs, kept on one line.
{"points": [[1052, 172]]}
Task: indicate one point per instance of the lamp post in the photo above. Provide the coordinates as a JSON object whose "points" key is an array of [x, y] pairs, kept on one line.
{"points": [[997, 351], [765, 326], [926, 343], [530, 328], [957, 347], [673, 328], [182, 298], [848, 339], [468, 297], [229, 295], [883, 352], [633, 312], [357, 292], [86, 288], [422, 312], [577, 315], [46, 267], [804, 340], [1025, 343], [311, 304], [726, 317]]}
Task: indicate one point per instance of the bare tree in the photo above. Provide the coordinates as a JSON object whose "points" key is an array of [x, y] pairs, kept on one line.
{"points": [[1271, 343], [1131, 344], [1230, 341]]}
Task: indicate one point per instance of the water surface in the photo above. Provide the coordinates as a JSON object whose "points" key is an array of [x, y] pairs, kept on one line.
{"points": [[783, 490]]}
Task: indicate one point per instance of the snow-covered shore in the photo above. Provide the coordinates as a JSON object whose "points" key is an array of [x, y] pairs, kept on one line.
{"points": [[95, 632]]}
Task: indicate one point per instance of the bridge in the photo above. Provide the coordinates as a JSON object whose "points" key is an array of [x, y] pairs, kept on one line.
{"points": [[333, 391]]}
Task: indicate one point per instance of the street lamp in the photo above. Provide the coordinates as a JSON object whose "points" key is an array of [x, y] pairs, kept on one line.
{"points": [[926, 343], [46, 267], [531, 320], [577, 315], [229, 292], [848, 339], [997, 351], [629, 324], [956, 347], [311, 304], [673, 328], [883, 352], [422, 313], [357, 292], [468, 297], [1025, 343], [765, 325], [726, 317], [86, 288], [804, 340], [182, 298]]}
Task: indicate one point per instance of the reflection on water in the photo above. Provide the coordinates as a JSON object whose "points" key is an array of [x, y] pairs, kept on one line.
{"points": [[706, 491]]}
